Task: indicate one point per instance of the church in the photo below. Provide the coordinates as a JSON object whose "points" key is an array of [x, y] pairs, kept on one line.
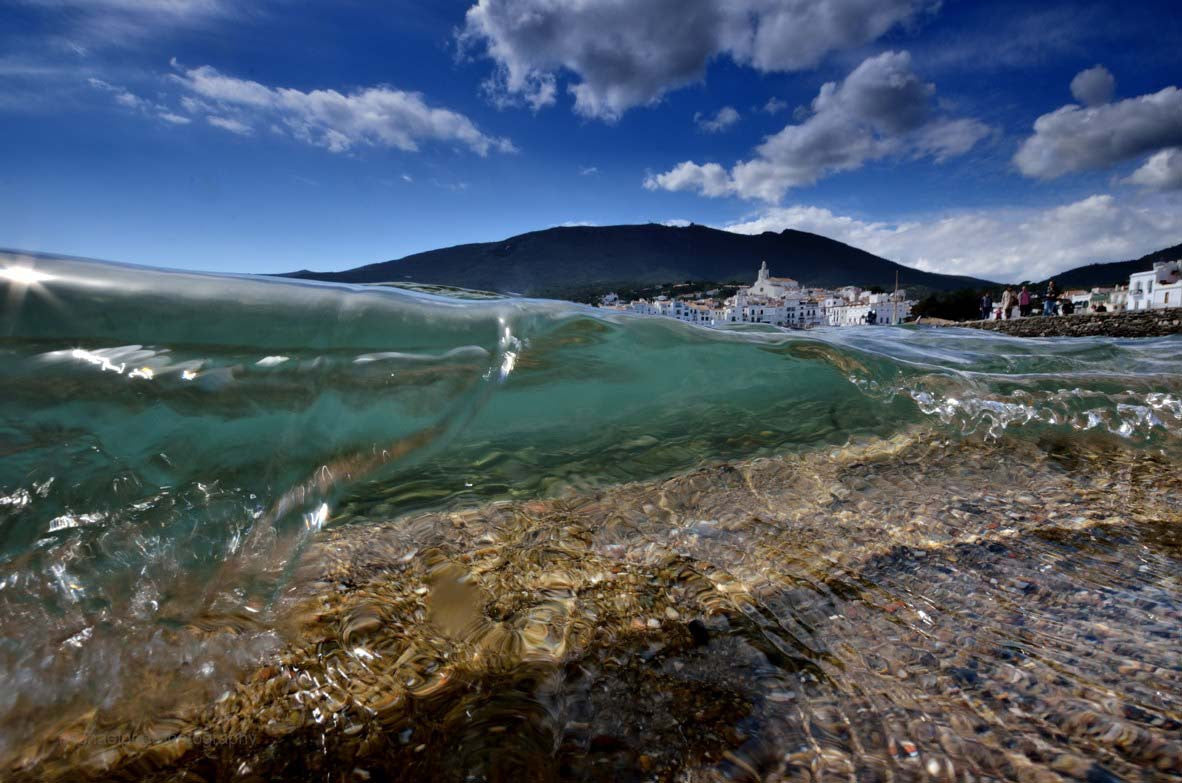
{"points": [[773, 287]]}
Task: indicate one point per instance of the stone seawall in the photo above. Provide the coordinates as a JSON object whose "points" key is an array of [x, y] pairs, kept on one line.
{"points": [[1143, 323]]}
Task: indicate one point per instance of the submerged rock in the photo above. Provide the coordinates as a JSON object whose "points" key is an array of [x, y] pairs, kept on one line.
{"points": [[894, 636]]}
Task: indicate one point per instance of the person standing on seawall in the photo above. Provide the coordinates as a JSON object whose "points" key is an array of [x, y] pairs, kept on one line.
{"points": [[1048, 303], [986, 306], [1007, 304], [1024, 302]]}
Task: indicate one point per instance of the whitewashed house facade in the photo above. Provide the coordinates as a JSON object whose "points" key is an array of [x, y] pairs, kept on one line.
{"points": [[1156, 288]]}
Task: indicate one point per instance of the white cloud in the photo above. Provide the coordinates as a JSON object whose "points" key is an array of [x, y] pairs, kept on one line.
{"points": [[372, 116], [944, 139], [998, 244], [121, 95], [625, 54], [677, 222], [881, 109], [1093, 87], [1075, 138], [589, 171], [1162, 171], [194, 106], [129, 100], [725, 118], [775, 105], [230, 124], [709, 179]]}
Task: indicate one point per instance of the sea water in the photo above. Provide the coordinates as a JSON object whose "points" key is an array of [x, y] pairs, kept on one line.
{"points": [[261, 528]]}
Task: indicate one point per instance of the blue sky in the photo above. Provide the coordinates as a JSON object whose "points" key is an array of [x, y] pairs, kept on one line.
{"points": [[1002, 140]]}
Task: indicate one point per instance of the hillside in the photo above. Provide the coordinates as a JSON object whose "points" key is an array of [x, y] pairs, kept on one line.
{"points": [[1112, 272], [563, 260]]}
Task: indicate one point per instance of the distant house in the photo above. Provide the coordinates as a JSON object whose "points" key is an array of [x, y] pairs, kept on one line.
{"points": [[868, 308], [1118, 299], [1156, 288], [1088, 301]]}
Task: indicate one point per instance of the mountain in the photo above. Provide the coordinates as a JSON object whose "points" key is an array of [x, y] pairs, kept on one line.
{"points": [[564, 260], [1112, 272]]}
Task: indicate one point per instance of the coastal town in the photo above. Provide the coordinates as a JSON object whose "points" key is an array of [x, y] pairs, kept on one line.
{"points": [[777, 301], [784, 302], [1154, 289]]}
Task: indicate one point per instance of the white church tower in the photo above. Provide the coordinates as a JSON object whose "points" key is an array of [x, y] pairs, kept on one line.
{"points": [[770, 287]]}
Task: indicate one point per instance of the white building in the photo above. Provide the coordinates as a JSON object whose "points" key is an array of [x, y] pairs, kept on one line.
{"points": [[780, 301], [771, 300], [868, 308], [1141, 289], [773, 287], [845, 314], [810, 312], [1156, 288], [1081, 300]]}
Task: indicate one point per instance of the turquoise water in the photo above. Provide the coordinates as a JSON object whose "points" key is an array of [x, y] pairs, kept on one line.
{"points": [[171, 443]]}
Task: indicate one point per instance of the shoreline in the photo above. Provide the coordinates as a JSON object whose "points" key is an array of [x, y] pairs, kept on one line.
{"points": [[1141, 323]]}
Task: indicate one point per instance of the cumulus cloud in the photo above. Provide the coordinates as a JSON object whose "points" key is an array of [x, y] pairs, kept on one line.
{"points": [[1162, 171], [372, 116], [709, 179], [997, 244], [726, 117], [1093, 87], [882, 108], [624, 54], [1077, 138]]}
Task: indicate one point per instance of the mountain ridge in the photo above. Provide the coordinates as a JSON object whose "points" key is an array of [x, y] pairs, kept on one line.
{"points": [[1108, 273], [563, 260], [566, 258]]}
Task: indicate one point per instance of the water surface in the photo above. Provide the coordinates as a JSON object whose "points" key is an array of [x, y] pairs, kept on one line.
{"points": [[277, 529]]}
